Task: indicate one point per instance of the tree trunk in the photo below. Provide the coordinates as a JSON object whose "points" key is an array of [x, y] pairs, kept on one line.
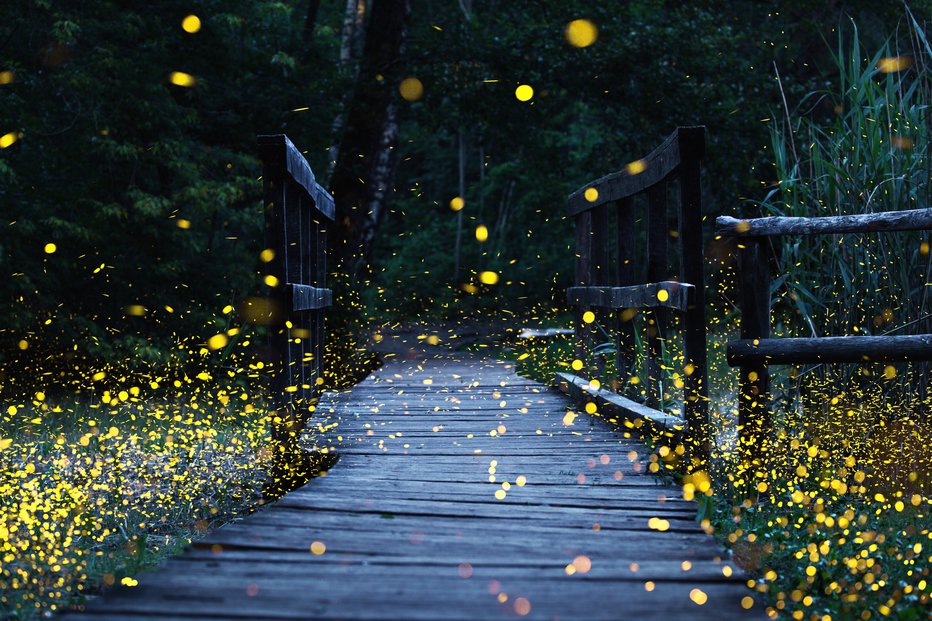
{"points": [[362, 174]]}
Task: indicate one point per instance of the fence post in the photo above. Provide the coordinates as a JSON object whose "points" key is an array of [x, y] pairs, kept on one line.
{"points": [[583, 264], [698, 438], [754, 380], [624, 341], [657, 234]]}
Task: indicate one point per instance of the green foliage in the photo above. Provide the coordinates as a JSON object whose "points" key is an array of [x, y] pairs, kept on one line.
{"points": [[147, 189]]}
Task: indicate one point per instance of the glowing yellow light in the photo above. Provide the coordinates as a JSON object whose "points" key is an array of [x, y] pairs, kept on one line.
{"points": [[227, 309], [457, 203], [266, 255], [270, 280], [217, 341], [411, 89], [582, 564], [893, 64], [747, 602], [522, 606], [591, 408], [6, 77], [136, 310], [180, 78], [924, 248], [482, 232], [591, 195], [8, 139], [521, 481], [524, 92], [488, 278], [636, 167], [698, 596], [663, 295], [588, 317], [318, 548], [181, 223], [576, 365], [191, 24], [581, 33], [130, 582], [889, 372], [500, 494], [50, 248], [568, 418]]}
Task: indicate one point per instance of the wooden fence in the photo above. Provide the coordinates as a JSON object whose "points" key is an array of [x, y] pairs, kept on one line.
{"points": [[297, 213], [615, 288], [756, 350]]}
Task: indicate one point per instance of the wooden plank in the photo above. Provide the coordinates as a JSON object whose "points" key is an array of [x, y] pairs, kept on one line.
{"points": [[611, 403], [652, 169], [905, 220], [676, 295], [278, 151], [831, 349], [754, 419], [306, 297], [421, 536]]}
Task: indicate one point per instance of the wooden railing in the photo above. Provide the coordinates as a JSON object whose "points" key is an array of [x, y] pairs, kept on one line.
{"points": [[756, 350], [615, 288], [297, 214]]}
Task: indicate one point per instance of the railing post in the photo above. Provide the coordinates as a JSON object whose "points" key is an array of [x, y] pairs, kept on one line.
{"points": [[656, 271], [698, 438], [624, 340], [754, 381], [583, 265], [600, 277]]}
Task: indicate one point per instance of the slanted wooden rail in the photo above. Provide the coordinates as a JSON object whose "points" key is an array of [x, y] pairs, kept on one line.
{"points": [[615, 290], [756, 350], [297, 213]]}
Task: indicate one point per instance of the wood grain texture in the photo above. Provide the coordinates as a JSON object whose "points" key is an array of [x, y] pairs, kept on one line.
{"points": [[413, 529], [647, 295], [906, 220]]}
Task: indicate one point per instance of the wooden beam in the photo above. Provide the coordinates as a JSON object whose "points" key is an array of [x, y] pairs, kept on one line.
{"points": [[611, 405], [831, 349], [652, 169], [678, 295], [306, 297], [277, 151], [906, 220]]}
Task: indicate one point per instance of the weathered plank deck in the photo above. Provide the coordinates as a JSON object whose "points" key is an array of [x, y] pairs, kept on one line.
{"points": [[413, 529]]}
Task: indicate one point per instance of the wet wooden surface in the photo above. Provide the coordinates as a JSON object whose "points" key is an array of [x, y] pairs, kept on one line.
{"points": [[425, 517]]}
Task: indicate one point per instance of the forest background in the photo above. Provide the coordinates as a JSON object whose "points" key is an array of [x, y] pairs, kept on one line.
{"points": [[132, 213]]}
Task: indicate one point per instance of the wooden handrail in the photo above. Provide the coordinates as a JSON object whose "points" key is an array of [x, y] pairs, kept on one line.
{"points": [[609, 287], [755, 351], [297, 214], [906, 220], [684, 143]]}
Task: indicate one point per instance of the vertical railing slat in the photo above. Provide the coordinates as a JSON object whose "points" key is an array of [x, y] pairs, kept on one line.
{"points": [[656, 271], [624, 340]]}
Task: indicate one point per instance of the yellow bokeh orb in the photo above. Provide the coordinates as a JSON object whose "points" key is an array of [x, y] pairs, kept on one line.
{"points": [[457, 203], [191, 24], [482, 232], [411, 89], [180, 78], [50, 248], [581, 33], [488, 278], [591, 195], [588, 317], [524, 92], [663, 295]]}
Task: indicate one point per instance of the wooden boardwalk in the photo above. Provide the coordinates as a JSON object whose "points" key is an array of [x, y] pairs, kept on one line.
{"points": [[425, 517]]}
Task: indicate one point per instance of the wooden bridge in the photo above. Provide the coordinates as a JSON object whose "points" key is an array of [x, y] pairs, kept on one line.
{"points": [[463, 491]]}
